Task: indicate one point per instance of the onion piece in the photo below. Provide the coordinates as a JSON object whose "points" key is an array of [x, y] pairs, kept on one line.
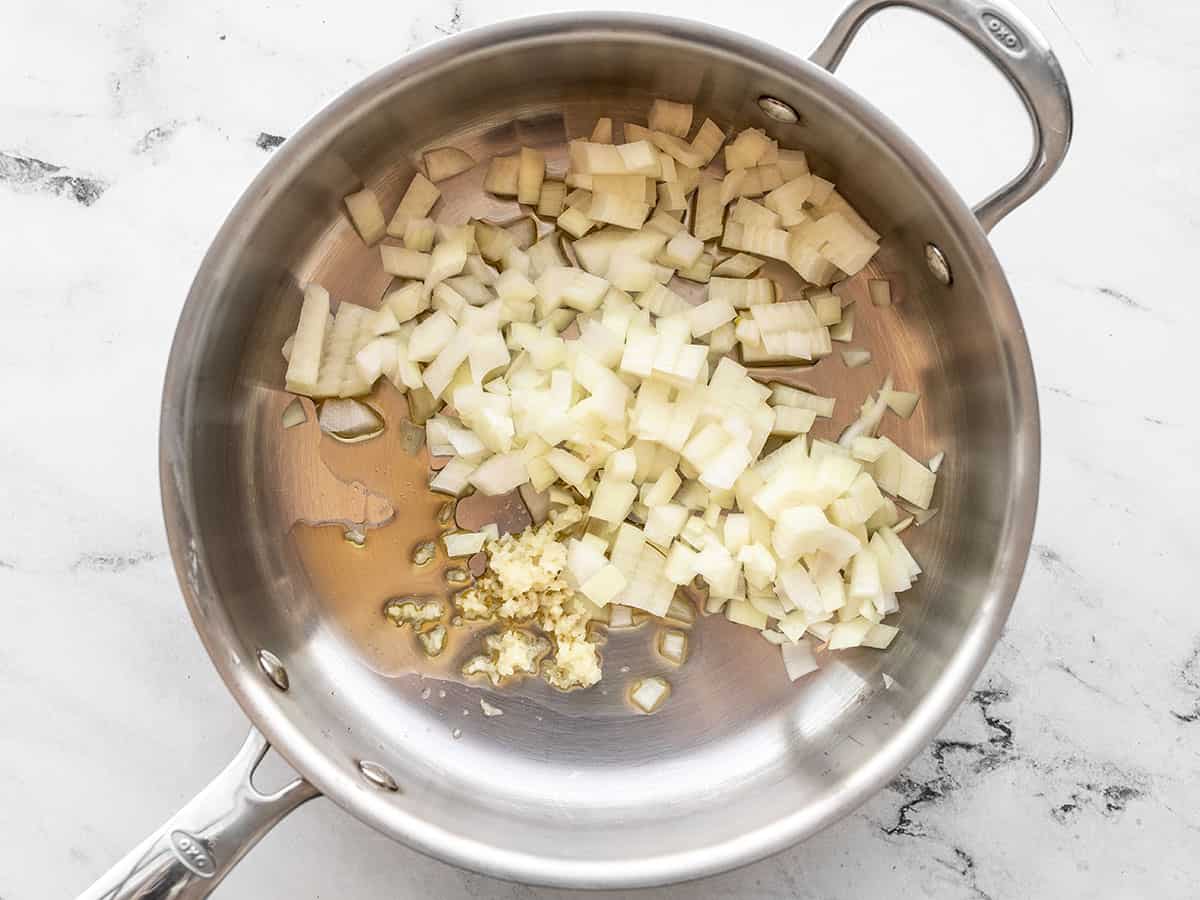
{"points": [[706, 223], [792, 163], [670, 117], [602, 131], [672, 197], [404, 263], [782, 395], [740, 265], [856, 358], [349, 420], [678, 149], [740, 612], [760, 180], [551, 199], [843, 331], [798, 659], [787, 200], [742, 293], [699, 271], [682, 251], [604, 585], [649, 694], [746, 149], [620, 616], [935, 462], [367, 215], [791, 421], [446, 162], [416, 203], [304, 361], [627, 187], [757, 239], [531, 172], [672, 646], [419, 235], [452, 479], [710, 315], [574, 222], [747, 212], [499, 474], [524, 231], [502, 176], [902, 403], [880, 636], [708, 141], [868, 449], [294, 414], [880, 290], [827, 305], [849, 634], [464, 543], [447, 260], [868, 420]]}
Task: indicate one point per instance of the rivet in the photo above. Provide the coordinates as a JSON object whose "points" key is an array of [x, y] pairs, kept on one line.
{"points": [[273, 668], [776, 109], [377, 775], [938, 265]]}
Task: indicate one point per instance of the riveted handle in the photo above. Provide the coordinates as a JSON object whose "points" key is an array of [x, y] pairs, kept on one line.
{"points": [[186, 858], [999, 31]]}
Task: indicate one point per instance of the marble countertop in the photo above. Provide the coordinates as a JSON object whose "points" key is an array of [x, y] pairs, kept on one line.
{"points": [[127, 131]]}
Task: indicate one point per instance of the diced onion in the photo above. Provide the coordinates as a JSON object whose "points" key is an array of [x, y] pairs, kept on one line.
{"points": [[669, 117], [880, 290], [503, 176], [843, 331], [367, 215], [902, 403], [740, 265], [405, 263], [708, 141], [461, 543], [349, 420], [294, 414], [416, 203], [602, 131], [673, 646], [577, 368], [452, 479], [446, 162], [798, 659], [648, 694]]}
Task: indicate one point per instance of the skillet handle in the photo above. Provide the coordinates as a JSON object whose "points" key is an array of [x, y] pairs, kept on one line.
{"points": [[1018, 50], [186, 858]]}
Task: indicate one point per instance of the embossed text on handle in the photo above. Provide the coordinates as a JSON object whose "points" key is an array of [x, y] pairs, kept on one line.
{"points": [[1002, 33]]}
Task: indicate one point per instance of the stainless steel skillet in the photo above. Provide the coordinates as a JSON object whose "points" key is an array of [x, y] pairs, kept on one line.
{"points": [[574, 790]]}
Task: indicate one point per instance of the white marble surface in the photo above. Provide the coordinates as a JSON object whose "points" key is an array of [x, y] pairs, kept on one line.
{"points": [[1074, 770]]}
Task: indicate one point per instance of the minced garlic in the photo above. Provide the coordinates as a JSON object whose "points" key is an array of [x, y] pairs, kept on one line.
{"points": [[525, 583], [512, 652]]}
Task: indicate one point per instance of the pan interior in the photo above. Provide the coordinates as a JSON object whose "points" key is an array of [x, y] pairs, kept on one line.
{"points": [[562, 786]]}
